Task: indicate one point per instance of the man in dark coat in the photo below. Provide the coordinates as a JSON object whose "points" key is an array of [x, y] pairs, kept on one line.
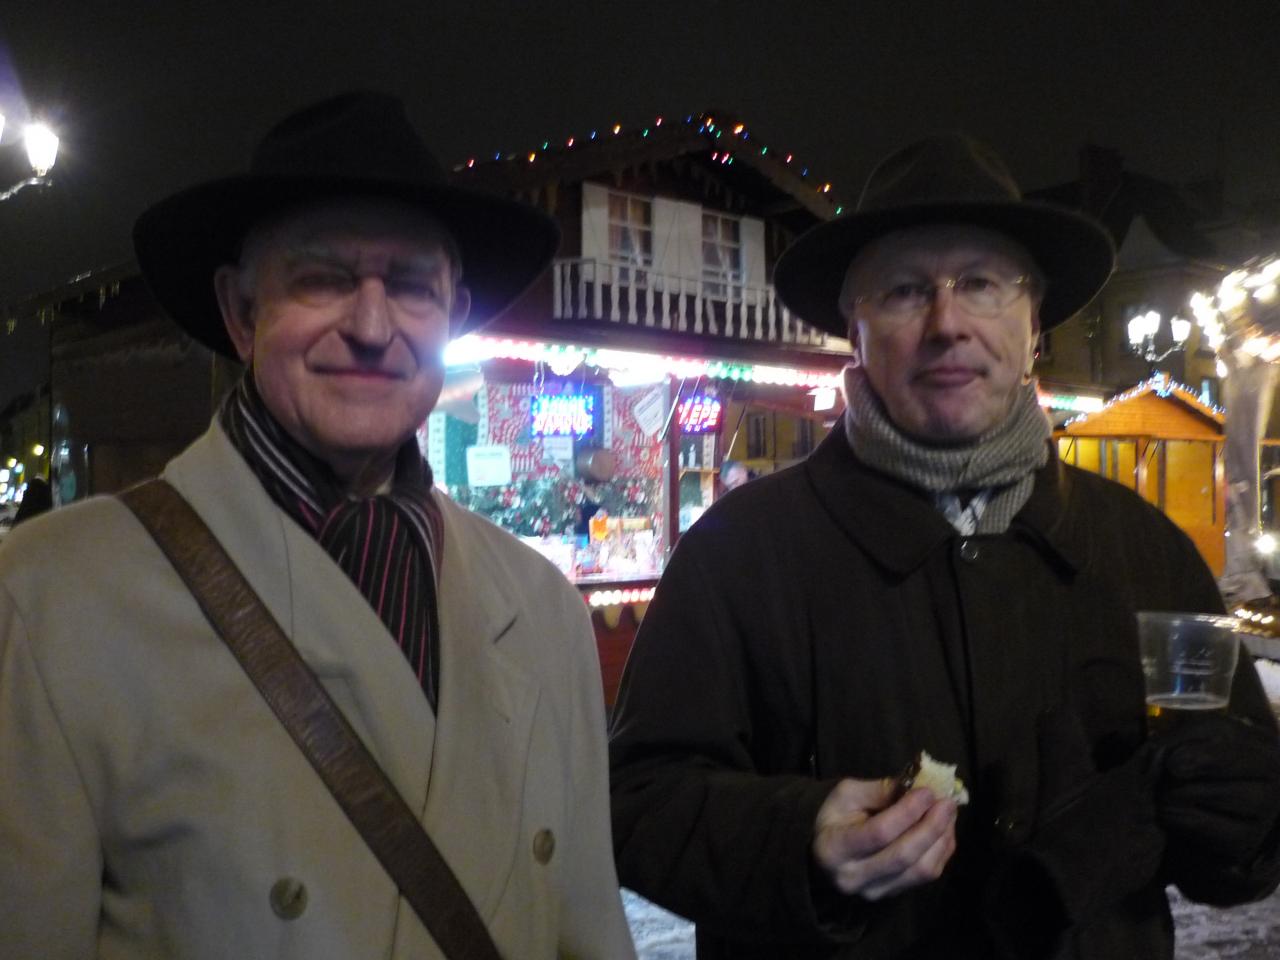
{"points": [[933, 578]]}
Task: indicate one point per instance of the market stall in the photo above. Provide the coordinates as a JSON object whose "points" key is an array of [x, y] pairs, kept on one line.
{"points": [[1163, 441], [599, 459]]}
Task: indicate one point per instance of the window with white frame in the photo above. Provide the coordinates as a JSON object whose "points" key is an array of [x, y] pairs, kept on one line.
{"points": [[631, 237], [721, 254]]}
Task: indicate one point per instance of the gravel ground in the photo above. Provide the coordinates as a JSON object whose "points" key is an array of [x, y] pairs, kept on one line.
{"points": [[1250, 932]]}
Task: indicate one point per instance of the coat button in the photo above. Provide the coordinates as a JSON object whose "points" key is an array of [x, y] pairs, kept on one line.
{"points": [[288, 898], [968, 551], [544, 845]]}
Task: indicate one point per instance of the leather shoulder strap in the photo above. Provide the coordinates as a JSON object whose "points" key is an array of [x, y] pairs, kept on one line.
{"points": [[297, 697]]}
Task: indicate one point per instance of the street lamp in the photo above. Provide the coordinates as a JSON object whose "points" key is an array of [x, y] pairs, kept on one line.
{"points": [[1144, 328], [42, 151]]}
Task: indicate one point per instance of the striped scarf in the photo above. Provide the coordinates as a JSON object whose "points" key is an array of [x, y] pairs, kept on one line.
{"points": [[979, 486], [389, 544]]}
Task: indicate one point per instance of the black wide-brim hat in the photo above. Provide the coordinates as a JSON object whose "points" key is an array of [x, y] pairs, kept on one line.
{"points": [[946, 179], [354, 145]]}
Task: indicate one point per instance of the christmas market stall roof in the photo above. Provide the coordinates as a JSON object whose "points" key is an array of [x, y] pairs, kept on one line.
{"points": [[710, 147], [1159, 408]]}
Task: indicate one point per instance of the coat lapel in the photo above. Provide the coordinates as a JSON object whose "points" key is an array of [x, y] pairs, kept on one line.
{"points": [[477, 762], [319, 609], [487, 704]]}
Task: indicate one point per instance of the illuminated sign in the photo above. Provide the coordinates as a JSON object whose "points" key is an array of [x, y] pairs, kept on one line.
{"points": [[699, 414], [563, 414]]}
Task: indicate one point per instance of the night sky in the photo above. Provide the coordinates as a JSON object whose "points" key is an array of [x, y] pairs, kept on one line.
{"points": [[153, 96]]}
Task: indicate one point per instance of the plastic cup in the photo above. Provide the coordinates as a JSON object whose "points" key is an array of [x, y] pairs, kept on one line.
{"points": [[1188, 660]]}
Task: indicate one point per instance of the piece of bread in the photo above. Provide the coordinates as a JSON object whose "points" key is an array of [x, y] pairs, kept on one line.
{"points": [[939, 777]]}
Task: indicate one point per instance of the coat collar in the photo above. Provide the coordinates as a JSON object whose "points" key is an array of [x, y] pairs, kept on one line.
{"points": [[899, 526]]}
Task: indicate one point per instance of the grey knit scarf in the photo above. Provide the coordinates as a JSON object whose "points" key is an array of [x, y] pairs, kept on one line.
{"points": [[1003, 460]]}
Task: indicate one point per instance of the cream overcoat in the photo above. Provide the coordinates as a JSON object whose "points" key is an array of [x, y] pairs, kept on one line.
{"points": [[150, 802]]}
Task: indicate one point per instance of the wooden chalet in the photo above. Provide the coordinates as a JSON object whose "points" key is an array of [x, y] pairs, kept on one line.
{"points": [[593, 418], [1161, 440]]}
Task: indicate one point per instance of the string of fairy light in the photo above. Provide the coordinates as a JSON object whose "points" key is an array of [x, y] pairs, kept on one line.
{"points": [[628, 367], [1162, 385], [739, 142], [1227, 312]]}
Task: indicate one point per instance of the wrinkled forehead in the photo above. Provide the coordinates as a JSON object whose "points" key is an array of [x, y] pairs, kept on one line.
{"points": [[332, 224], [941, 247]]}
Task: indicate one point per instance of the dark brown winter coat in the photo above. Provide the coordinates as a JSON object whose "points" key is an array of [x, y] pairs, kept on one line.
{"points": [[827, 622]]}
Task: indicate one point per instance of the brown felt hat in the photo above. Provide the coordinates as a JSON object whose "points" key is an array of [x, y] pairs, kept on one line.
{"points": [[946, 179], [358, 144]]}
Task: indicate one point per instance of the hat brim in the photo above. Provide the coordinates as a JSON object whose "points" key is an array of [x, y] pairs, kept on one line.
{"points": [[1075, 254], [181, 241]]}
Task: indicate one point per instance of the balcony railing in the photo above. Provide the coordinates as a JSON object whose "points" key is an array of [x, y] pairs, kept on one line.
{"points": [[627, 295]]}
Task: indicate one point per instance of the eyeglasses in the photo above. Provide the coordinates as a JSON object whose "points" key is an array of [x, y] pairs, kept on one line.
{"points": [[326, 283], [977, 294]]}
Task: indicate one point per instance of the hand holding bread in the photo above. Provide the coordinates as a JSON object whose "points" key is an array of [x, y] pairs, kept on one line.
{"points": [[875, 840]]}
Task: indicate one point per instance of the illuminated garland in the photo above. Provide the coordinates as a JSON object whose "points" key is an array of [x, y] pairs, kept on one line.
{"points": [[1254, 616], [609, 598], [1071, 401], [626, 365], [1226, 311], [706, 125]]}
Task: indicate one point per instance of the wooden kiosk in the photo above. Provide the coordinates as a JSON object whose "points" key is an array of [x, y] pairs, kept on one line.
{"points": [[1162, 441]]}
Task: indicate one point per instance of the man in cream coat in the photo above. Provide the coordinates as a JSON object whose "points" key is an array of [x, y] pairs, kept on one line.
{"points": [[151, 804]]}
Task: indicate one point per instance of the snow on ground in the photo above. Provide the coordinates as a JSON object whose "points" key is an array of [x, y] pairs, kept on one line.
{"points": [[1269, 673], [1250, 932], [659, 935]]}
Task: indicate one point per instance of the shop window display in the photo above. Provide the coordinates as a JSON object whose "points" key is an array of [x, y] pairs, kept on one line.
{"points": [[574, 468]]}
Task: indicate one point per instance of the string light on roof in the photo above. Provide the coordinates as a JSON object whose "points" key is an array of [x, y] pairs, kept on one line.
{"points": [[1162, 385], [634, 366], [706, 124]]}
